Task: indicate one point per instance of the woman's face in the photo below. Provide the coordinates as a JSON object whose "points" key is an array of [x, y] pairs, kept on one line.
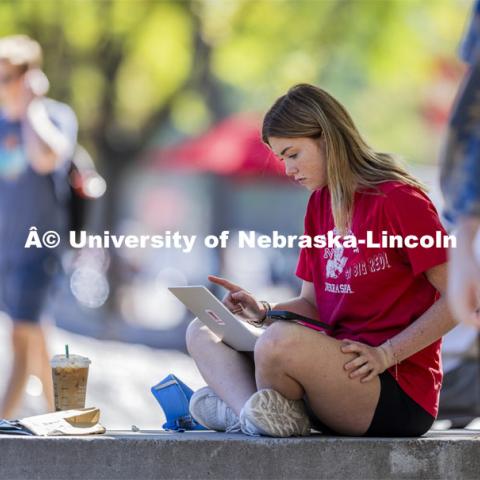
{"points": [[304, 160]]}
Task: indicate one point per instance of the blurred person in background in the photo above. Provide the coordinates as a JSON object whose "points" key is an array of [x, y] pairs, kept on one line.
{"points": [[460, 182], [377, 371], [37, 139]]}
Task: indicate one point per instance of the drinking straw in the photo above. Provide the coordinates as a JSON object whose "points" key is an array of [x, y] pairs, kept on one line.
{"points": [[67, 353]]}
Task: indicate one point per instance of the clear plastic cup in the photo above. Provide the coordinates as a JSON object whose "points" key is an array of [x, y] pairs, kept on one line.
{"points": [[69, 376]]}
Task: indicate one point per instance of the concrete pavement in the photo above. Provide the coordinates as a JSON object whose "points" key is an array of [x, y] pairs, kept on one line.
{"points": [[199, 455]]}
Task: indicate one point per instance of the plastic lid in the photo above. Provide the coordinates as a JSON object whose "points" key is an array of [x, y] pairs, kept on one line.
{"points": [[72, 361]]}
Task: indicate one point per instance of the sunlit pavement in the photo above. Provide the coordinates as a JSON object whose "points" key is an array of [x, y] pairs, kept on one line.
{"points": [[119, 380]]}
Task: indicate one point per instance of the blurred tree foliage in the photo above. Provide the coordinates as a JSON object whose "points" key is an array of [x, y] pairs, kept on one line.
{"points": [[141, 72]]}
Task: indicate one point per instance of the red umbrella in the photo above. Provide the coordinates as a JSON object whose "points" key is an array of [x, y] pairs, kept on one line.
{"points": [[232, 147]]}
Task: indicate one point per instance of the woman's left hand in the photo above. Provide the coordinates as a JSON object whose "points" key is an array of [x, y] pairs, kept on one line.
{"points": [[370, 361]]}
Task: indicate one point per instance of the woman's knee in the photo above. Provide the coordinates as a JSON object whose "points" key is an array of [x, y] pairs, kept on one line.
{"points": [[276, 344], [197, 336]]}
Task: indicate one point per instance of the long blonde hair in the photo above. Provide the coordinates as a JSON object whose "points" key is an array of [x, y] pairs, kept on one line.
{"points": [[309, 111]]}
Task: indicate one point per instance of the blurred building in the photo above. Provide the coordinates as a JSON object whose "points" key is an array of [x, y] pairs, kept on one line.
{"points": [[226, 179]]}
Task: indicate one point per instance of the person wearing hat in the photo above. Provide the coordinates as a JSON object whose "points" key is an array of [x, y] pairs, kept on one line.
{"points": [[37, 140]]}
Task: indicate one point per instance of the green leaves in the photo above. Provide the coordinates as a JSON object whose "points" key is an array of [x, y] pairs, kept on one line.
{"points": [[131, 65]]}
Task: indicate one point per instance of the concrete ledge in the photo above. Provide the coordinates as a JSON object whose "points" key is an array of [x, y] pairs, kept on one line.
{"points": [[452, 454]]}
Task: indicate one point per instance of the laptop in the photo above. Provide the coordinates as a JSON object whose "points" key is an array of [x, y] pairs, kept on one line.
{"points": [[231, 329]]}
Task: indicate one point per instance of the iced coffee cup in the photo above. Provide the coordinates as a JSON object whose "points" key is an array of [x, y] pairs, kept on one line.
{"points": [[70, 374]]}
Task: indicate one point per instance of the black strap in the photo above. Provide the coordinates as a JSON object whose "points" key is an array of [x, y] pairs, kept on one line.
{"points": [[296, 317]]}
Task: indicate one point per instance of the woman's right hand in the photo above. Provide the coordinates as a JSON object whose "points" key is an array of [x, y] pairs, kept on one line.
{"points": [[239, 301]]}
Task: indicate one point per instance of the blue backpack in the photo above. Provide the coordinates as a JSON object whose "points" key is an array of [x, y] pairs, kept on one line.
{"points": [[174, 398]]}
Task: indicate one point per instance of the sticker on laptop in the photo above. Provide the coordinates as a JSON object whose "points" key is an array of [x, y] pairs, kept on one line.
{"points": [[215, 317]]}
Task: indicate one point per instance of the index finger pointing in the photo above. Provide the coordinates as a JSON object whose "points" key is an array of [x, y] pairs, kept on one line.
{"points": [[224, 283]]}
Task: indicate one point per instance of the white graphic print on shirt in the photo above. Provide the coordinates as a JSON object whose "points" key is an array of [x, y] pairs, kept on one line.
{"points": [[336, 267], [336, 264]]}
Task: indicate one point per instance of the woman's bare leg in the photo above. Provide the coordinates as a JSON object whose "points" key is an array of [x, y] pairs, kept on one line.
{"points": [[21, 344], [297, 361], [229, 373], [42, 363]]}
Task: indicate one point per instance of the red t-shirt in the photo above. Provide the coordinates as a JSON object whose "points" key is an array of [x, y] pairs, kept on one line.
{"points": [[371, 294]]}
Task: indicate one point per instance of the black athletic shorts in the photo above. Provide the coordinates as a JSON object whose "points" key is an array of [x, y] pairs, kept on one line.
{"points": [[396, 415]]}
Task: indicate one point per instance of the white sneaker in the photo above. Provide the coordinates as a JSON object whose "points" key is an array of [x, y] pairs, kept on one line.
{"points": [[267, 412], [208, 409]]}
